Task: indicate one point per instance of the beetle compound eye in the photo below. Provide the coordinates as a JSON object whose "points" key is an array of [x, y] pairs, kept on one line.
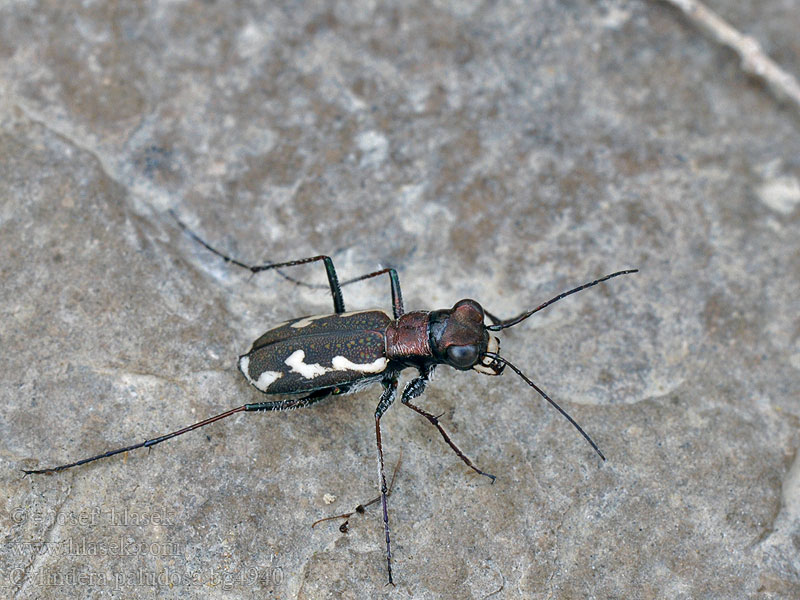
{"points": [[462, 357]]}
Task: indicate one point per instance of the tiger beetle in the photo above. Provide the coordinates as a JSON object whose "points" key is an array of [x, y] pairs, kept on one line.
{"points": [[311, 358]]}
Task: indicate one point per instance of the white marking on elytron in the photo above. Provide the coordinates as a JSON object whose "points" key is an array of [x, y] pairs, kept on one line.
{"points": [[266, 379], [340, 363], [244, 367], [295, 362], [306, 321]]}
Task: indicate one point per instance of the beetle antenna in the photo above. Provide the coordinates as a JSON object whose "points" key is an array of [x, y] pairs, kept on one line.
{"points": [[499, 358], [498, 324]]}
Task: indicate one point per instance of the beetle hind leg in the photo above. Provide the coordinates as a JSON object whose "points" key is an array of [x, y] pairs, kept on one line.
{"points": [[333, 280], [290, 403], [394, 281], [388, 396], [330, 270], [287, 404]]}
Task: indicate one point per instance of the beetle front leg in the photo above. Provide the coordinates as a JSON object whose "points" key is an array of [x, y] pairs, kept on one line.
{"points": [[388, 396], [414, 388]]}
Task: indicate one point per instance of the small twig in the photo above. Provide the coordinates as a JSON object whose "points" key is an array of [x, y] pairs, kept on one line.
{"points": [[361, 507], [754, 60]]}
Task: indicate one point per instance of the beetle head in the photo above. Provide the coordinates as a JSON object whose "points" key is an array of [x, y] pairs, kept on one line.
{"points": [[459, 338]]}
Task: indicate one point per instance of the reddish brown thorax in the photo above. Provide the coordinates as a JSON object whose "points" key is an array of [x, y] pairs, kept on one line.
{"points": [[408, 336]]}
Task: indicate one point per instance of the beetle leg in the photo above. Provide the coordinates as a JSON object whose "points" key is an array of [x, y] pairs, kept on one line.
{"points": [[333, 281], [279, 405], [290, 403], [388, 396], [414, 388], [397, 296]]}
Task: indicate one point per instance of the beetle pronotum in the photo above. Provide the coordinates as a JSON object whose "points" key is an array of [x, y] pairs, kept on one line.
{"points": [[313, 357]]}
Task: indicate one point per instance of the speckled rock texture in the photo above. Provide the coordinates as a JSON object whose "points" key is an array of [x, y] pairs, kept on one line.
{"points": [[491, 150]]}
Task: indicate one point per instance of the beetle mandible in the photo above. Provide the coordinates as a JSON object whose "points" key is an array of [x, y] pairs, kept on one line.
{"points": [[314, 357]]}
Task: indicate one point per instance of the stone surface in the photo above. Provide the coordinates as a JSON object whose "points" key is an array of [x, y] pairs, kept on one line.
{"points": [[500, 151]]}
